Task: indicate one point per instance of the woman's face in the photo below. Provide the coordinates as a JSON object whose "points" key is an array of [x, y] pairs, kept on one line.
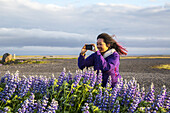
{"points": [[101, 45]]}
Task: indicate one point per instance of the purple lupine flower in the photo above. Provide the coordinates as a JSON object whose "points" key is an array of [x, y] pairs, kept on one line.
{"points": [[24, 106], [114, 94], [85, 109], [90, 98], [53, 106], [91, 74], [77, 80], [39, 84], [28, 105], [32, 103], [44, 103], [35, 84], [24, 86], [99, 77], [136, 101], [97, 101], [93, 81], [109, 81], [167, 101], [44, 85], [6, 110], [142, 93], [116, 108], [124, 92], [150, 95], [51, 80], [159, 102], [69, 77], [105, 103], [86, 76], [61, 79], [131, 88], [11, 85], [5, 77]]}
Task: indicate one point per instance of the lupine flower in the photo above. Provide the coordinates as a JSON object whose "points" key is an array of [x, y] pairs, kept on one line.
{"points": [[93, 81], [116, 108], [98, 99], [11, 85], [91, 74], [44, 103], [24, 86], [160, 98], [51, 80], [85, 109], [105, 102], [99, 78], [77, 80], [61, 78], [109, 81], [167, 101], [90, 98], [53, 106], [5, 77], [124, 93], [104, 99], [69, 78], [86, 76], [150, 95], [142, 93], [28, 105], [136, 101]]}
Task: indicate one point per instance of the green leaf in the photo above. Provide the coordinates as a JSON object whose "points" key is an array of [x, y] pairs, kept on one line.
{"points": [[61, 99], [67, 104]]}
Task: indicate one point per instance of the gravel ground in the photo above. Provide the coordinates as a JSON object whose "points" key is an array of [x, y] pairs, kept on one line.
{"points": [[141, 69]]}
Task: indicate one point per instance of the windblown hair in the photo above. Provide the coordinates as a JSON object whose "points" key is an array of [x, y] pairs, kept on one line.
{"points": [[113, 43]]}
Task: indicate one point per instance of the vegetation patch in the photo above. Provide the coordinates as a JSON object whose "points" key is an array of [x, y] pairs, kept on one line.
{"points": [[163, 66], [28, 61], [78, 93]]}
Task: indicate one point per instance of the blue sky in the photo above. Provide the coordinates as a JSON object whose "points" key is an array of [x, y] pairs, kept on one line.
{"points": [[51, 27]]}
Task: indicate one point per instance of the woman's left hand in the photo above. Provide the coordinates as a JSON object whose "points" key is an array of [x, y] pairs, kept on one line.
{"points": [[95, 47]]}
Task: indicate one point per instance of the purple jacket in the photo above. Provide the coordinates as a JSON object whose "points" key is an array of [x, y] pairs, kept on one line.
{"points": [[108, 64]]}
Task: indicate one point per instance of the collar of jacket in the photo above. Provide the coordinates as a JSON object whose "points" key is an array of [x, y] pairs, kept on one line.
{"points": [[109, 52]]}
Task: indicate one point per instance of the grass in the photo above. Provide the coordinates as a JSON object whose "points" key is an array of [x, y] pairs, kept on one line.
{"points": [[163, 66], [144, 57], [28, 61]]}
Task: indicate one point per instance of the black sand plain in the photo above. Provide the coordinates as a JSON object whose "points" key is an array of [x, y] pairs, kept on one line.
{"points": [[140, 69]]}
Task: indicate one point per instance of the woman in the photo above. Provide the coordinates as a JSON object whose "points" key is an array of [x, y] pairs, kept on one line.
{"points": [[105, 58]]}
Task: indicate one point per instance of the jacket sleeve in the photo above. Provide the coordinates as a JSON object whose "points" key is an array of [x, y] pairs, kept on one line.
{"points": [[108, 65], [82, 62]]}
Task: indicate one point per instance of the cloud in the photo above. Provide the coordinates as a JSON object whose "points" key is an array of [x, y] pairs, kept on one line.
{"points": [[25, 23], [35, 37]]}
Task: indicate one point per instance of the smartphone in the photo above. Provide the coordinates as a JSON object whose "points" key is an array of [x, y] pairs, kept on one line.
{"points": [[89, 47]]}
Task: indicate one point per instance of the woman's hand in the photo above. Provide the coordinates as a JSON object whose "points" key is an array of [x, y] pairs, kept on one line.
{"points": [[95, 47], [83, 50]]}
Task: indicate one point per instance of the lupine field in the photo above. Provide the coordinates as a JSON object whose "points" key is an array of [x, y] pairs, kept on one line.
{"points": [[76, 93]]}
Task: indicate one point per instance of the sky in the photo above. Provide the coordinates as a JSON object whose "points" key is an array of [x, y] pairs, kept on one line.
{"points": [[62, 27]]}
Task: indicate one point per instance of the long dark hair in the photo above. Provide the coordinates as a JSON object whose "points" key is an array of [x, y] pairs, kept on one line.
{"points": [[113, 43]]}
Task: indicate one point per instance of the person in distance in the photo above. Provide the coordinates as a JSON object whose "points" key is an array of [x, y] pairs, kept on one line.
{"points": [[106, 58]]}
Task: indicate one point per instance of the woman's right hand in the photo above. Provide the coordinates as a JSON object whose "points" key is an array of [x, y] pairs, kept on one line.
{"points": [[83, 50]]}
